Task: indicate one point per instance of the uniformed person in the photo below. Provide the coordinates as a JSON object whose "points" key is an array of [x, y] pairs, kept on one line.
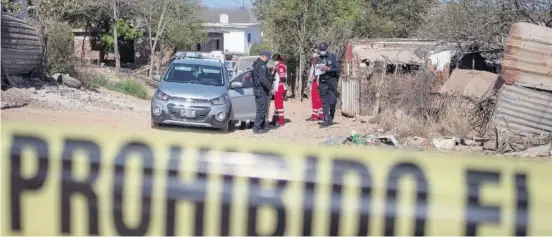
{"points": [[262, 86], [279, 90], [329, 65], [317, 113]]}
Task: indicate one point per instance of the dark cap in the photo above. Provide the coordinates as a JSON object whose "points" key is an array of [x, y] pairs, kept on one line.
{"points": [[278, 57], [323, 46], [266, 53]]}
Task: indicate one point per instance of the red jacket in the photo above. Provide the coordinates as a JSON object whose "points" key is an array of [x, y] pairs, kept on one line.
{"points": [[281, 74]]}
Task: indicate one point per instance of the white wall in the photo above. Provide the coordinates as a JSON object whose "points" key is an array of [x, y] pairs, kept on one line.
{"points": [[441, 59], [233, 41], [255, 37]]}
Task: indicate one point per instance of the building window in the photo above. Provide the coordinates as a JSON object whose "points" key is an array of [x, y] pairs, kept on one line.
{"points": [[198, 46], [248, 37], [218, 44]]}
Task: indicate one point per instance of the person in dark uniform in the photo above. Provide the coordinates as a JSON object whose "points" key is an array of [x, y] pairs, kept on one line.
{"points": [[262, 85], [328, 65]]}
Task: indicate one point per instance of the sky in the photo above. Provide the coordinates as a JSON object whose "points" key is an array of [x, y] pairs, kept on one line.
{"points": [[227, 3]]}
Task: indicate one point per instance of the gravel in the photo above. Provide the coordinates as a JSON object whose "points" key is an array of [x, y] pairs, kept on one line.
{"points": [[61, 97]]}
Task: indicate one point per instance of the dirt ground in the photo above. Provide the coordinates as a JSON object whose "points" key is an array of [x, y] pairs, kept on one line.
{"points": [[62, 105]]}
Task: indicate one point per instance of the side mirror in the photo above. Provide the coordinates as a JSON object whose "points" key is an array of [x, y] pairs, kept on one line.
{"points": [[236, 85], [157, 77]]}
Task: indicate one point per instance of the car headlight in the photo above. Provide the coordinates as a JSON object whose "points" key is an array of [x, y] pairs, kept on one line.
{"points": [[161, 96], [219, 101]]}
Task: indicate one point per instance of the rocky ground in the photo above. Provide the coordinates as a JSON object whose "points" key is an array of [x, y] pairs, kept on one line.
{"points": [[67, 106]]}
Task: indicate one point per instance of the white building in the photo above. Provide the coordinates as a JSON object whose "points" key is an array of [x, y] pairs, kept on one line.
{"points": [[232, 38]]}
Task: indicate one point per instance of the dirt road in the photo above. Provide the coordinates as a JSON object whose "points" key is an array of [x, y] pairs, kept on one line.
{"points": [[67, 106]]}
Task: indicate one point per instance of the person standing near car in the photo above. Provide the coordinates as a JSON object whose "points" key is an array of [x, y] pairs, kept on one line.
{"points": [[328, 78], [262, 85], [279, 90], [317, 112]]}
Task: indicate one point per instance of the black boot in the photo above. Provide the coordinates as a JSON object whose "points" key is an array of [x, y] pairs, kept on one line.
{"points": [[327, 121]]}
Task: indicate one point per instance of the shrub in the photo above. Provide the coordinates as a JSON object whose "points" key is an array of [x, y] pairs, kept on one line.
{"points": [[131, 87], [59, 49], [99, 81]]}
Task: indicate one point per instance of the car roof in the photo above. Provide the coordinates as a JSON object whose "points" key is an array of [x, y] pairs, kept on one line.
{"points": [[196, 61]]}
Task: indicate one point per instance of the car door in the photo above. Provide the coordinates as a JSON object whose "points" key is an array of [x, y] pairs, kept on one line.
{"points": [[243, 99]]}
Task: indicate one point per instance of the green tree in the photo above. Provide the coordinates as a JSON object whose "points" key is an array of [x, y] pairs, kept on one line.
{"points": [[185, 35], [117, 10], [60, 49], [9, 6], [125, 30], [48, 11], [256, 48], [295, 26]]}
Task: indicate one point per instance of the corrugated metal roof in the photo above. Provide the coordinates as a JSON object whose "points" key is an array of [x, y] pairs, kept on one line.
{"points": [[21, 45], [524, 110], [528, 56]]}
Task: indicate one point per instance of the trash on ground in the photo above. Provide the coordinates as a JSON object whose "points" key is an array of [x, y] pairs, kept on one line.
{"points": [[446, 143], [539, 151]]}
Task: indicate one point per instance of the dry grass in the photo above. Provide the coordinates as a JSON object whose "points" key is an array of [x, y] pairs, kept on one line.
{"points": [[400, 123], [409, 107]]}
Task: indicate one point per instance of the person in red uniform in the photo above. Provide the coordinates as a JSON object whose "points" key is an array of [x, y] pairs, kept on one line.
{"points": [[279, 90], [317, 112]]}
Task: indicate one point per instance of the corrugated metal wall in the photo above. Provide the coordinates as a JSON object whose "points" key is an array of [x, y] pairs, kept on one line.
{"points": [[528, 56], [350, 97], [524, 110], [21, 45]]}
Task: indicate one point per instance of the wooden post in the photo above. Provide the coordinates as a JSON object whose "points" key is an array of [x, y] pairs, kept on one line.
{"points": [[378, 95]]}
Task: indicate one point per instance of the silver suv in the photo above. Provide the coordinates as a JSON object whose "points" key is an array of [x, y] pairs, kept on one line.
{"points": [[197, 92]]}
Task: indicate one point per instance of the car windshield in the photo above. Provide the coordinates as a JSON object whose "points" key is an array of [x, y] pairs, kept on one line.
{"points": [[195, 74]]}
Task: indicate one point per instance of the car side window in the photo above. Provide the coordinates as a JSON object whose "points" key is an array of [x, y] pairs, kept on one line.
{"points": [[246, 79]]}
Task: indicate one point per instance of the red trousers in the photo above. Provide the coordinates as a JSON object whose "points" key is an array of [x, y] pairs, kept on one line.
{"points": [[279, 104], [317, 111]]}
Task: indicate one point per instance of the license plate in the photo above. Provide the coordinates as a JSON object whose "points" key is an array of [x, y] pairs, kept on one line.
{"points": [[188, 113]]}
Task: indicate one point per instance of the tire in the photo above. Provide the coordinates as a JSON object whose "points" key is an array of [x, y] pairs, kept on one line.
{"points": [[155, 125], [229, 125], [225, 128]]}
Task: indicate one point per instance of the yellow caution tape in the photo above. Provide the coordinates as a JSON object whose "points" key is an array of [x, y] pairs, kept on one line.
{"points": [[67, 181]]}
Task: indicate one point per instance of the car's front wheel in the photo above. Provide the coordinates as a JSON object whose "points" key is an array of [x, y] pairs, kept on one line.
{"points": [[154, 124], [229, 125]]}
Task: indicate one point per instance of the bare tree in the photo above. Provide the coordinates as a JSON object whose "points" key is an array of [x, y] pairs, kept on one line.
{"points": [[535, 11], [482, 23], [157, 15]]}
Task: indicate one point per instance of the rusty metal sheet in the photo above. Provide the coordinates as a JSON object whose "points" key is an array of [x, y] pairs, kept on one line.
{"points": [[21, 45], [477, 85], [400, 51], [528, 56], [524, 110], [350, 97]]}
